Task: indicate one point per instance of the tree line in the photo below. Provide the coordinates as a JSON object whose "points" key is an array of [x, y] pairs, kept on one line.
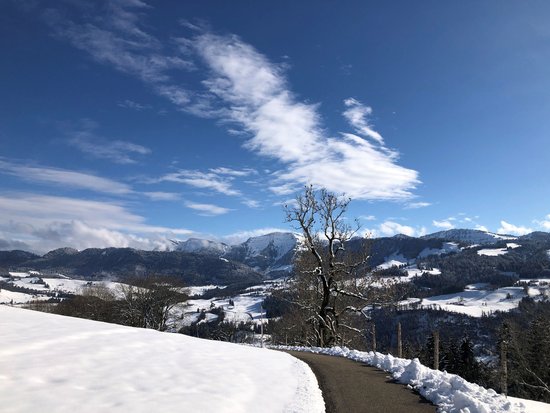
{"points": [[144, 302]]}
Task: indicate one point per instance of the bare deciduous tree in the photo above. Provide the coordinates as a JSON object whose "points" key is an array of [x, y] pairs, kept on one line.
{"points": [[331, 284], [147, 301]]}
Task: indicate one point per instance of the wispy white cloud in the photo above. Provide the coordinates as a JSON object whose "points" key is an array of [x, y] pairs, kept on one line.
{"points": [[234, 172], [251, 203], [117, 39], [118, 151], [389, 228], [248, 92], [207, 209], [290, 203], [417, 205], [241, 236], [443, 224], [130, 104], [366, 218], [204, 180], [544, 223], [255, 95], [358, 116], [162, 196], [64, 177], [507, 228], [460, 220], [45, 222]]}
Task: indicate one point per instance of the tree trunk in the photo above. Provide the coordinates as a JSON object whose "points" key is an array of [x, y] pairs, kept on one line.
{"points": [[436, 350]]}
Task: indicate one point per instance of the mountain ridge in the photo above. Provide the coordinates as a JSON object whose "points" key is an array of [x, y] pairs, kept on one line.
{"points": [[267, 256]]}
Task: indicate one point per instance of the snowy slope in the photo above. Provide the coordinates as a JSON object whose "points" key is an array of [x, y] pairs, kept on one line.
{"points": [[446, 248], [276, 243], [492, 252], [469, 236], [48, 289], [477, 301], [62, 364], [394, 260]]}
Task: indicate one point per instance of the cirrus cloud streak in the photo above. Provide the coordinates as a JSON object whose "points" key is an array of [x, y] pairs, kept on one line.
{"points": [[244, 89]]}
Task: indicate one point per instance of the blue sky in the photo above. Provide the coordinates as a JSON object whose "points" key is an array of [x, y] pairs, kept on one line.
{"points": [[128, 123]]}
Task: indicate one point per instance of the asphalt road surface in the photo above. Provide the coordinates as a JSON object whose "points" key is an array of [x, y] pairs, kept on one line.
{"points": [[352, 387]]}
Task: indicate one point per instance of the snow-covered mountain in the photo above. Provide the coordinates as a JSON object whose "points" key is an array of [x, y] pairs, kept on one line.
{"points": [[266, 253], [469, 236], [274, 245], [201, 246], [269, 253]]}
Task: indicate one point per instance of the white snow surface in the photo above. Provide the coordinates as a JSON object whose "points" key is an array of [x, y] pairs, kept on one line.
{"points": [[63, 364], [394, 260], [532, 405], [413, 271], [512, 245], [247, 307], [446, 248], [13, 297], [77, 286], [19, 274], [451, 393], [201, 289], [474, 302], [492, 252]]}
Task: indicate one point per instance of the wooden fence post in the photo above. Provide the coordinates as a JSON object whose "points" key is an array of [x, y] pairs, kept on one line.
{"points": [[373, 337], [503, 368], [436, 350], [399, 342]]}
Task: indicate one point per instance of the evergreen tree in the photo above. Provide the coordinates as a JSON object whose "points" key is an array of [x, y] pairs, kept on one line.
{"points": [[469, 368]]}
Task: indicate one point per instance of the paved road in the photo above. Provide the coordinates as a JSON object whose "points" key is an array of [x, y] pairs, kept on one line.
{"points": [[352, 387]]}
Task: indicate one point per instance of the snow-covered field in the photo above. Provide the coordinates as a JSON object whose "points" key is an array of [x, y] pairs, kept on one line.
{"points": [[52, 363], [412, 271], [451, 393], [494, 252], [446, 248], [475, 300], [14, 297], [397, 260], [200, 290], [393, 261], [41, 286], [247, 307]]}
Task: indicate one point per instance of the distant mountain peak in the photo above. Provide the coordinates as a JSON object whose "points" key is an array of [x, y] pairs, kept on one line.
{"points": [[281, 241], [61, 251], [469, 236], [401, 236], [201, 246]]}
